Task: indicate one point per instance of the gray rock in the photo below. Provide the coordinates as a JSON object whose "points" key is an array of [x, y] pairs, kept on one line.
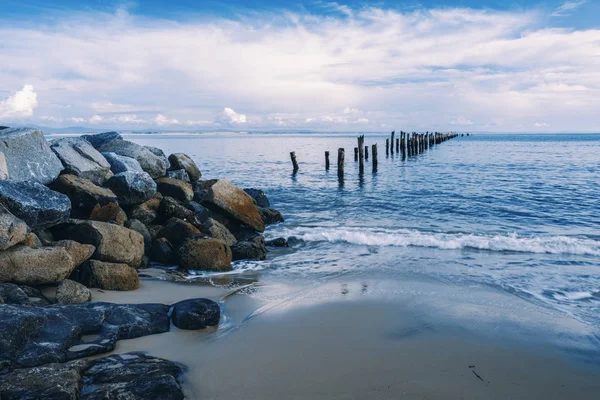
{"points": [[178, 174], [139, 227], [250, 250], [147, 212], [259, 197], [32, 240], [71, 292], [108, 276], [100, 139], [171, 208], [88, 201], [28, 155], [202, 253], [12, 230], [34, 203], [3, 167], [270, 216], [162, 252], [132, 188], [58, 333], [217, 230], [194, 314], [80, 158], [183, 161], [278, 242], [122, 164], [153, 164], [21, 295], [176, 231], [175, 188]]}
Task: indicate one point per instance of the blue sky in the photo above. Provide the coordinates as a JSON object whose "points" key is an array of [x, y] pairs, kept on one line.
{"points": [[285, 65]]}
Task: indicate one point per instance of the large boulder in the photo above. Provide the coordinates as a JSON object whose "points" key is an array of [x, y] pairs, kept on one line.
{"points": [[161, 252], [183, 161], [71, 292], [153, 164], [108, 276], [88, 201], [175, 188], [270, 216], [225, 197], [34, 203], [194, 314], [171, 208], [132, 188], [122, 163], [79, 252], [35, 266], [113, 243], [80, 158], [249, 250], [202, 253], [139, 227], [176, 231], [178, 174], [259, 197], [100, 139], [28, 155], [217, 230], [12, 230], [147, 211]]}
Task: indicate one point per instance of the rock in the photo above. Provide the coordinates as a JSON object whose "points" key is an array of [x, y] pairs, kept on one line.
{"points": [[147, 212], [28, 155], [183, 161], [175, 188], [35, 266], [201, 188], [202, 213], [270, 216], [278, 242], [3, 167], [59, 333], [113, 243], [132, 188], [162, 252], [38, 206], [195, 314], [109, 213], [80, 158], [250, 250], [32, 240], [140, 228], [259, 197], [202, 253], [108, 276], [12, 230], [71, 292], [87, 198], [176, 231], [79, 252], [178, 174], [226, 197], [171, 208], [100, 139], [13, 294], [122, 163], [153, 164], [216, 230]]}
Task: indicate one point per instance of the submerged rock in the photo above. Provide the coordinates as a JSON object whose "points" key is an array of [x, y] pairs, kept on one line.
{"points": [[132, 188], [80, 158], [34, 203], [108, 276], [277, 242], [183, 161], [87, 198], [195, 314], [250, 250], [28, 155], [270, 216], [175, 188], [224, 196], [71, 292], [202, 253], [12, 230]]}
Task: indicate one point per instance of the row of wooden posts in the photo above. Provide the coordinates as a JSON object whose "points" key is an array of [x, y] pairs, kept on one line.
{"points": [[407, 144]]}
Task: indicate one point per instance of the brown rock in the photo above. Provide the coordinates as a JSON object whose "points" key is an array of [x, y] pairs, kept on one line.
{"points": [[175, 188], [147, 212], [202, 253], [108, 276], [12, 230], [217, 230], [177, 231], [71, 292], [79, 252], [35, 266], [183, 161], [86, 197], [31, 240], [224, 196], [172, 208]]}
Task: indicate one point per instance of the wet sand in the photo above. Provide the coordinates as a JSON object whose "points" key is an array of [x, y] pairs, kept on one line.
{"points": [[376, 339]]}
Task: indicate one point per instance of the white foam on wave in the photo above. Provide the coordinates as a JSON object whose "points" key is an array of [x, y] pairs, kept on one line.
{"points": [[450, 241]]}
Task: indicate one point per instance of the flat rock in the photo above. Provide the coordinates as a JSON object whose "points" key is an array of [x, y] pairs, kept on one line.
{"points": [[202, 253], [175, 188], [132, 188], [183, 161], [35, 266], [113, 243], [153, 164], [224, 196], [122, 163], [59, 333], [194, 314], [28, 155], [80, 158], [71, 292], [38, 206], [108, 276], [87, 198], [12, 230], [259, 197]]}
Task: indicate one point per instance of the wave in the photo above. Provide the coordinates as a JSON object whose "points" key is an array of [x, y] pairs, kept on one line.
{"points": [[449, 241]]}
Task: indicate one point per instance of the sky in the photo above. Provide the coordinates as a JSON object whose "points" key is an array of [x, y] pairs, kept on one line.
{"points": [[282, 65]]}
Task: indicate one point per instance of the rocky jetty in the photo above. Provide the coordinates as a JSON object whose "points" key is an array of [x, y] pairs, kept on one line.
{"points": [[91, 212]]}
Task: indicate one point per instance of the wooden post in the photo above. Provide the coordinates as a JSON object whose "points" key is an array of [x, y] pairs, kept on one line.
{"points": [[340, 163], [392, 142], [355, 154], [327, 161], [374, 156], [397, 145], [387, 147], [294, 161], [366, 152], [361, 155]]}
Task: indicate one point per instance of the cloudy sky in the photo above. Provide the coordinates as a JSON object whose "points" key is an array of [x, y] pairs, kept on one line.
{"points": [[283, 65]]}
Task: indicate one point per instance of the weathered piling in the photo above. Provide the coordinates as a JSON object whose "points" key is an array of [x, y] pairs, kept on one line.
{"points": [[387, 147], [366, 152], [327, 161], [361, 156], [397, 145], [374, 156], [340, 163], [355, 154], [294, 161], [392, 143]]}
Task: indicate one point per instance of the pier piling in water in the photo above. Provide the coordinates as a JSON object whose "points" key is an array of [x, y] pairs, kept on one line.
{"points": [[366, 152], [392, 143], [355, 154], [327, 161], [294, 161], [340, 163], [387, 147], [361, 155], [374, 156]]}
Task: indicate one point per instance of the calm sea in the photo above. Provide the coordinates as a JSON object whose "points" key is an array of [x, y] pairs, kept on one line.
{"points": [[520, 213]]}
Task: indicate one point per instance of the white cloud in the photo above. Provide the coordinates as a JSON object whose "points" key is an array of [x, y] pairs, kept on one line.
{"points": [[161, 120], [567, 8], [229, 116], [541, 125], [96, 119], [362, 120], [461, 121], [20, 104]]}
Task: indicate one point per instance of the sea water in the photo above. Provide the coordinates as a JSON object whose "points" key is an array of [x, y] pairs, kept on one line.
{"points": [[516, 212]]}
